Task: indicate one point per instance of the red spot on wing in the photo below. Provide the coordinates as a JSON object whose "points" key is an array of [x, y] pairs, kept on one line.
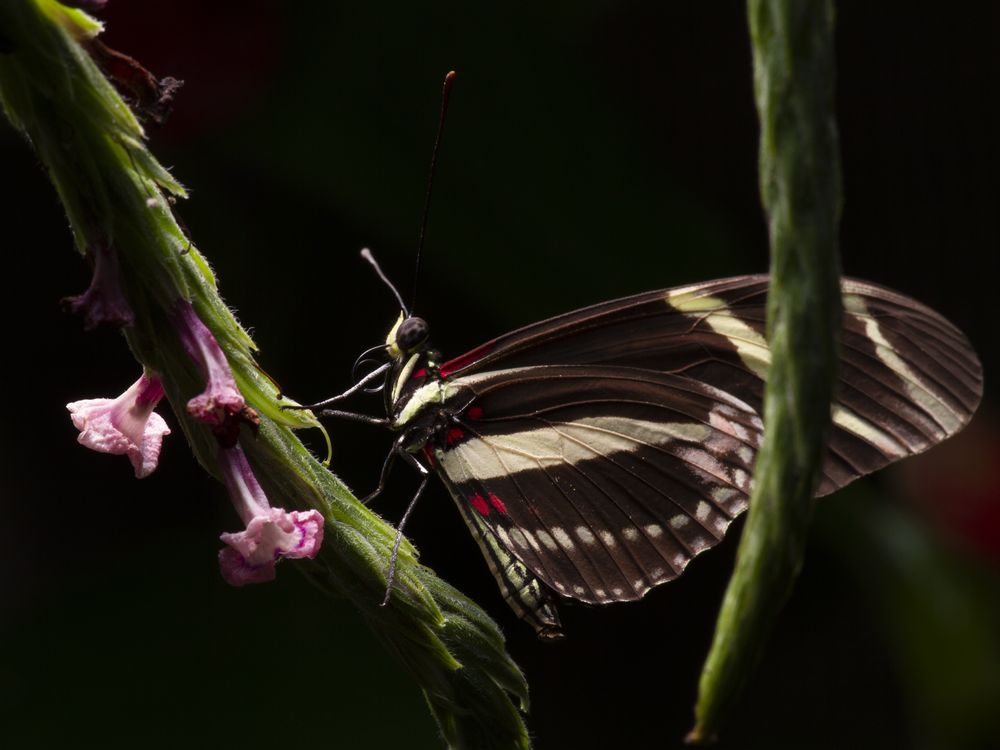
{"points": [[466, 359], [474, 412], [454, 435], [421, 373], [479, 504], [498, 503]]}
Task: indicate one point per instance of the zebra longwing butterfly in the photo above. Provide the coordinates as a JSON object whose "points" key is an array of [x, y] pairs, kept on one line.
{"points": [[593, 455]]}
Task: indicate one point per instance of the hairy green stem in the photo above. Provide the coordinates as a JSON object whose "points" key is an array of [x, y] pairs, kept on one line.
{"points": [[115, 194], [800, 191]]}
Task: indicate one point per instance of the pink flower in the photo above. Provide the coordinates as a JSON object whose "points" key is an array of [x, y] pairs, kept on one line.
{"points": [[271, 533], [221, 399], [125, 425], [103, 302]]}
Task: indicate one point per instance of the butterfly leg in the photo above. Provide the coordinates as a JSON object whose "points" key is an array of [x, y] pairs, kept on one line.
{"points": [[387, 465], [353, 416], [425, 474]]}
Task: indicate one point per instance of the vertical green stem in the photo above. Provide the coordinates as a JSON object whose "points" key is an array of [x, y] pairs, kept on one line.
{"points": [[793, 56]]}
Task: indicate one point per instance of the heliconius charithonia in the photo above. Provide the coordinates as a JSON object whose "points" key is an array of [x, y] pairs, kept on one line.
{"points": [[594, 454]]}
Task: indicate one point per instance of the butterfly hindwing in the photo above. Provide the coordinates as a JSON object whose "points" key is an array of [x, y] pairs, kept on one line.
{"points": [[523, 591], [603, 481]]}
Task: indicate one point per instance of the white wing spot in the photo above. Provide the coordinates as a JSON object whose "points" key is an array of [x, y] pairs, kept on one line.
{"points": [[703, 460], [740, 431], [547, 540], [680, 561], [532, 541], [699, 544], [741, 478], [702, 511], [630, 533], [579, 590], [608, 538], [657, 574], [617, 591], [724, 495], [600, 593], [563, 538], [502, 535], [654, 530], [725, 418], [517, 536], [585, 535], [679, 521]]}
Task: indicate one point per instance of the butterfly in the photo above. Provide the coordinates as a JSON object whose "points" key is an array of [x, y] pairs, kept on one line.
{"points": [[594, 454]]}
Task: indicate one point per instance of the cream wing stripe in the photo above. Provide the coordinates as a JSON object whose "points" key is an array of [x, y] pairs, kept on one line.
{"points": [[916, 388], [749, 344], [578, 440]]}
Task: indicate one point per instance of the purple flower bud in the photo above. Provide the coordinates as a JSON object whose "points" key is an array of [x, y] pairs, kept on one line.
{"points": [[270, 533], [103, 302], [125, 425], [221, 400]]}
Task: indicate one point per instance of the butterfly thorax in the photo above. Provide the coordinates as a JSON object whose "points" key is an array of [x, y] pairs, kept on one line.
{"points": [[416, 393]]}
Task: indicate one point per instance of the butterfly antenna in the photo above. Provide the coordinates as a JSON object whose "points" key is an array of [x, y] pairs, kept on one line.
{"points": [[367, 255], [449, 81]]}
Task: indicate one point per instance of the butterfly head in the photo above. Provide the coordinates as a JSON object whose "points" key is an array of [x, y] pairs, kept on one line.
{"points": [[411, 359], [408, 336]]}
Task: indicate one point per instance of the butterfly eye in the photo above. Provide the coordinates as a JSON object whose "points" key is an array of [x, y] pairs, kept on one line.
{"points": [[411, 334]]}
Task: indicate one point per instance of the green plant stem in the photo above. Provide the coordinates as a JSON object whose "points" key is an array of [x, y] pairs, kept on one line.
{"points": [[115, 193], [800, 191]]}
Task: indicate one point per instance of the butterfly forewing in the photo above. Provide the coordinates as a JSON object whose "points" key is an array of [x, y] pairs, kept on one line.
{"points": [[908, 377]]}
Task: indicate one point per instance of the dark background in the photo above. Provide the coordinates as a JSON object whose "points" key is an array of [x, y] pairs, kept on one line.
{"points": [[593, 150]]}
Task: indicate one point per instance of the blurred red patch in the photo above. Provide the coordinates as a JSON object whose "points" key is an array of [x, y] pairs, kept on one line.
{"points": [[957, 484]]}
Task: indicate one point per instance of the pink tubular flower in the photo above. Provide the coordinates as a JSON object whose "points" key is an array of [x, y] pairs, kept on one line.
{"points": [[124, 425], [221, 399], [103, 302], [270, 533]]}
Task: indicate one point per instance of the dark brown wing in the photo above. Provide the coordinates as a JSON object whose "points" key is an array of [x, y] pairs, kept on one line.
{"points": [[908, 378]]}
